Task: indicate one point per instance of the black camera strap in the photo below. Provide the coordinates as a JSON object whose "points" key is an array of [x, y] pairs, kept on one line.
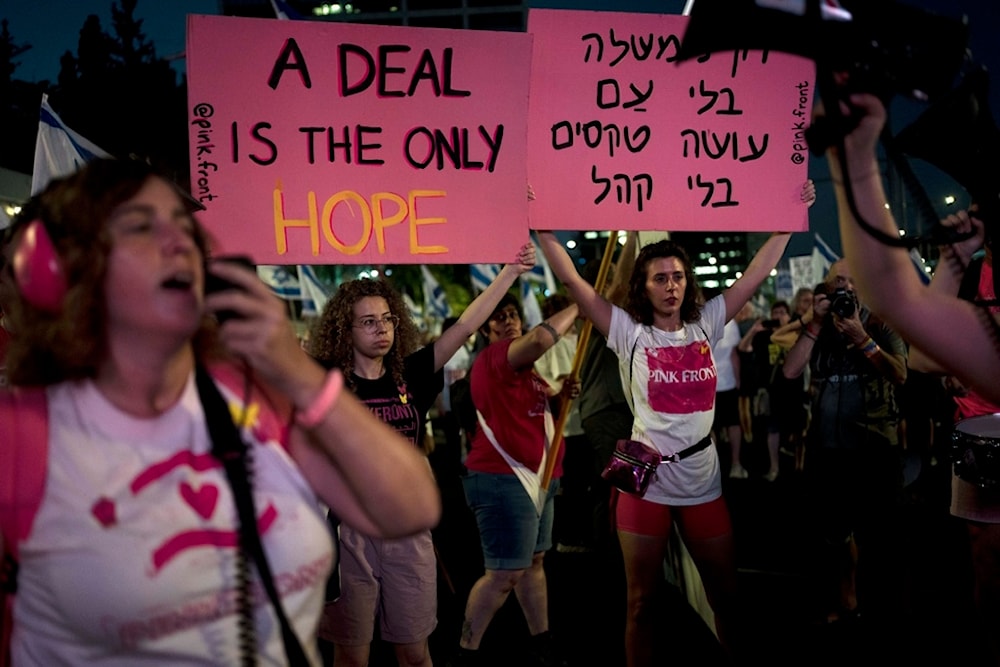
{"points": [[230, 449]]}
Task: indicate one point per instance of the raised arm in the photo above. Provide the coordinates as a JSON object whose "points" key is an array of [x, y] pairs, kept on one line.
{"points": [[955, 333], [526, 349], [763, 262], [948, 276], [592, 305], [482, 306], [385, 491]]}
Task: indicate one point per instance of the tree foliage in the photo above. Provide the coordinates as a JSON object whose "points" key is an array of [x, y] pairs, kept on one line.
{"points": [[114, 90]]}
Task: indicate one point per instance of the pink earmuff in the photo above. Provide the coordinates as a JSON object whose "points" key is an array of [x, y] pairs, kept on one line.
{"points": [[37, 269]]}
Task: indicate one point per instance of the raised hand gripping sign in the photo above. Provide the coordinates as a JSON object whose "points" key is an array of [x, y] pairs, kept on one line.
{"points": [[621, 136], [320, 143]]}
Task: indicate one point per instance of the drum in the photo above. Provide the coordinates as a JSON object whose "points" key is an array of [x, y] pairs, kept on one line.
{"points": [[975, 450]]}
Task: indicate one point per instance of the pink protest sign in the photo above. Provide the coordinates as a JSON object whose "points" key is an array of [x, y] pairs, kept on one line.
{"points": [[623, 137], [324, 143]]}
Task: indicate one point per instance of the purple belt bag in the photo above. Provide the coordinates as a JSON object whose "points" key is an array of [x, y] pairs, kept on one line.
{"points": [[633, 464]]}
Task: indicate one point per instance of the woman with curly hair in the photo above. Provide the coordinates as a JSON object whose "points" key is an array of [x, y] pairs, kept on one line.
{"points": [[664, 337], [366, 331]]}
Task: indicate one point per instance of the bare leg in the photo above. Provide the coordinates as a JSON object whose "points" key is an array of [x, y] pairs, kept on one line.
{"points": [[351, 656], [416, 654], [715, 559], [532, 595], [643, 555], [486, 597]]}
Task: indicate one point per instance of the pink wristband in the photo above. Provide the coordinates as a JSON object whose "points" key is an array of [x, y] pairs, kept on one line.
{"points": [[320, 406]]}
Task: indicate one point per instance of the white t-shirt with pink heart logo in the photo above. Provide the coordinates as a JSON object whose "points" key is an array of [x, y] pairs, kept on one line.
{"points": [[131, 556]]}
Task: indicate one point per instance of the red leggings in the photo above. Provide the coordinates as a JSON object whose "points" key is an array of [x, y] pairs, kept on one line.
{"points": [[697, 522]]}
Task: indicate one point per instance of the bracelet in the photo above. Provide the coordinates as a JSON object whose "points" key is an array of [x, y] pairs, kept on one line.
{"points": [[805, 332], [316, 411], [869, 348], [548, 327]]}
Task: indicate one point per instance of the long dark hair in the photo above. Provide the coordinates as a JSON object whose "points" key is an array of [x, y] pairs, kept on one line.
{"points": [[637, 302]]}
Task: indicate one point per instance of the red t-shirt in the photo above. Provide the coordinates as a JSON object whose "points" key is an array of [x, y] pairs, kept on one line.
{"points": [[513, 403]]}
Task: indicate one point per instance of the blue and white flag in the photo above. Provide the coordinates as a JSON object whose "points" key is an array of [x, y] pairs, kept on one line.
{"points": [[529, 304], [59, 151], [435, 300], [284, 11], [482, 275], [823, 258], [282, 281], [541, 273], [314, 293]]}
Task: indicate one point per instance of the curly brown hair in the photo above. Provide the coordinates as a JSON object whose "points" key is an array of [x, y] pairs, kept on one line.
{"points": [[330, 338], [70, 344], [637, 302]]}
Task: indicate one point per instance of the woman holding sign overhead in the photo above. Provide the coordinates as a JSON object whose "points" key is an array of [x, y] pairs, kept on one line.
{"points": [[366, 331], [664, 338]]}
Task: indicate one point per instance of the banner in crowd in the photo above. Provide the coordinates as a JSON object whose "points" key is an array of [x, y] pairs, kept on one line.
{"points": [[317, 142], [622, 136]]}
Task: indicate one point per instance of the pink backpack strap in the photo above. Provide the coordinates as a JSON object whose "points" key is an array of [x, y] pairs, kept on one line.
{"points": [[24, 448]]}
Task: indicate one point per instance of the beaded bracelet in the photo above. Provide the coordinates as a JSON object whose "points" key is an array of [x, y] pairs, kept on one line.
{"points": [[316, 411]]}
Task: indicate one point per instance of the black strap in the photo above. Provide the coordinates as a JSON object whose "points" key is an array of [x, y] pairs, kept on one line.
{"points": [[231, 450], [688, 451]]}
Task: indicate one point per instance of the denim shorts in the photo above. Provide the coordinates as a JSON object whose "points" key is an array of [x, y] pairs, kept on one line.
{"points": [[510, 530]]}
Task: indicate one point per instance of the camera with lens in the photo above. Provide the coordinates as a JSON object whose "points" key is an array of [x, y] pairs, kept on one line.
{"points": [[843, 303]]}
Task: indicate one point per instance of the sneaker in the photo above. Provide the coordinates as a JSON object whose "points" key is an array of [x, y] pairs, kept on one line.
{"points": [[737, 472], [771, 476], [542, 652]]}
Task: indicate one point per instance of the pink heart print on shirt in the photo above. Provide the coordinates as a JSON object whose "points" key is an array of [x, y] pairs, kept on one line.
{"points": [[681, 379], [201, 501]]}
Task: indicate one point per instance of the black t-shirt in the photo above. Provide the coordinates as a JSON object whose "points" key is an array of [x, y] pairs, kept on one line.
{"points": [[404, 408]]}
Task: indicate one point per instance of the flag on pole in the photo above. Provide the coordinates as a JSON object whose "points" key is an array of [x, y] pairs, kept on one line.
{"points": [[482, 275], [416, 312], [284, 11], [823, 258], [314, 293], [529, 304], [435, 300], [59, 151]]}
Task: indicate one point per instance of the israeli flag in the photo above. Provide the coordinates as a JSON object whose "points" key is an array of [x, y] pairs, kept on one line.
{"points": [[435, 301], [314, 293], [482, 275], [529, 304], [541, 273], [281, 280], [59, 151], [823, 258]]}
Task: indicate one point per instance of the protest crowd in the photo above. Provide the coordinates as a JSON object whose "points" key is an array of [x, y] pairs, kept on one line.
{"points": [[210, 456]]}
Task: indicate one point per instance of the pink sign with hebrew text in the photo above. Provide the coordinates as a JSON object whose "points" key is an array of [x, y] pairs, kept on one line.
{"points": [[623, 137]]}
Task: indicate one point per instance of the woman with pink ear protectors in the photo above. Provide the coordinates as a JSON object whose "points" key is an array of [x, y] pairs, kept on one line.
{"points": [[163, 476]]}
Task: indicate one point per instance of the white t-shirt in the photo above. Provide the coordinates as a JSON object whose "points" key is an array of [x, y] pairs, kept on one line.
{"points": [[723, 353], [556, 362], [673, 382], [131, 557]]}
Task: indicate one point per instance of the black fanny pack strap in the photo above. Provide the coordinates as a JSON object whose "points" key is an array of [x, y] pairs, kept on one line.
{"points": [[231, 450], [688, 451]]}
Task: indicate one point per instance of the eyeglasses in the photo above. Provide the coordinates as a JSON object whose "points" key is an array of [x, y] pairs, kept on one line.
{"points": [[371, 324], [504, 315]]}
